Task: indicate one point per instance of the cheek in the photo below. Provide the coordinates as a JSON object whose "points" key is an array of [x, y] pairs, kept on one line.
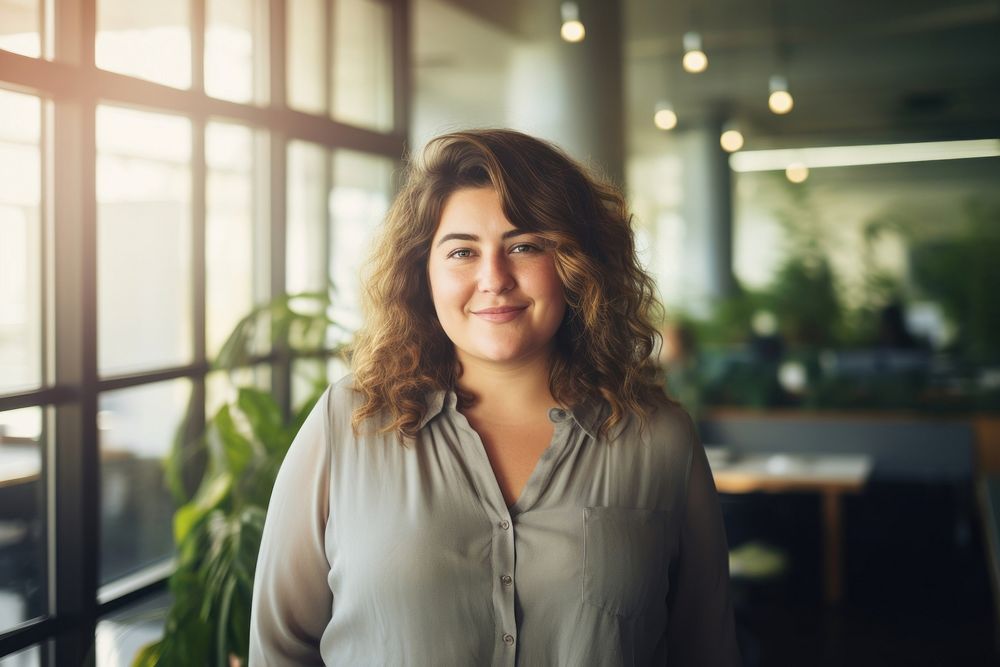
{"points": [[549, 284], [445, 288]]}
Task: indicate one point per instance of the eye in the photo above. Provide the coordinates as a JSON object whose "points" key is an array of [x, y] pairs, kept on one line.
{"points": [[460, 253], [525, 247]]}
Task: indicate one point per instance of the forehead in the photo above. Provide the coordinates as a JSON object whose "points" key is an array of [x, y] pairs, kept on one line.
{"points": [[471, 209]]}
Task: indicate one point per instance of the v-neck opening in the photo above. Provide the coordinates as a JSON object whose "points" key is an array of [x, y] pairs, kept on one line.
{"points": [[533, 480], [523, 500]]}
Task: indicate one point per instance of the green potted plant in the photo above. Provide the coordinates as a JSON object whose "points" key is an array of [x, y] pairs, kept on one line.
{"points": [[233, 462]]}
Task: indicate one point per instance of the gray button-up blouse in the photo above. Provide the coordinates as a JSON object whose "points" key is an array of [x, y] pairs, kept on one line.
{"points": [[379, 554]]}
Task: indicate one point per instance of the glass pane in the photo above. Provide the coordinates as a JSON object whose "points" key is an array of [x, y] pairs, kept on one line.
{"points": [[121, 635], [144, 240], [20, 27], [22, 517], [307, 40], [362, 189], [148, 40], [20, 243], [136, 427], [29, 657], [234, 52], [362, 63], [307, 193], [236, 233]]}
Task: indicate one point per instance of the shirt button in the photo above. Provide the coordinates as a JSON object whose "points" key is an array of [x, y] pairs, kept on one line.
{"points": [[557, 414], [508, 639], [504, 524], [506, 580]]}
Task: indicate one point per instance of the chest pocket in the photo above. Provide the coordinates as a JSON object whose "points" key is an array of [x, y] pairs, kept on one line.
{"points": [[625, 561]]}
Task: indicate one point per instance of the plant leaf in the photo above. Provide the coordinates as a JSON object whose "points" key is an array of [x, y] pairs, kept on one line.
{"points": [[209, 497], [264, 416], [237, 450]]}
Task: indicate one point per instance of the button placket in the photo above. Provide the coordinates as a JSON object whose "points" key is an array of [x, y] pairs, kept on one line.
{"points": [[502, 549], [503, 598]]}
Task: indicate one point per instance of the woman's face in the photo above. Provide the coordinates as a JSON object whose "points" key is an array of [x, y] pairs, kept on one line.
{"points": [[495, 288]]}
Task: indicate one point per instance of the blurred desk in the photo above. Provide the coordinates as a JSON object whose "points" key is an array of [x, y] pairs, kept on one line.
{"points": [[831, 476], [19, 465]]}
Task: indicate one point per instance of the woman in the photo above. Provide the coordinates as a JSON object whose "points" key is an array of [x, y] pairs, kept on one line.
{"points": [[501, 481]]}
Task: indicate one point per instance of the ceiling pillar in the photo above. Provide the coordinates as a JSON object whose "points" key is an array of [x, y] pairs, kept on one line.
{"points": [[708, 215], [571, 94]]}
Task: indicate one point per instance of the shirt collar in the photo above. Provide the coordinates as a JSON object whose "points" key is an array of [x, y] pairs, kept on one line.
{"points": [[588, 414], [434, 400]]}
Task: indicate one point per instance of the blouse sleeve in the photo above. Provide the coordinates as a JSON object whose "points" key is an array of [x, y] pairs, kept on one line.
{"points": [[292, 602], [701, 629]]}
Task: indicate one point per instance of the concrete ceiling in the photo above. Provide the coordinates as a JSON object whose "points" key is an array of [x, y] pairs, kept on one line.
{"points": [[860, 71]]}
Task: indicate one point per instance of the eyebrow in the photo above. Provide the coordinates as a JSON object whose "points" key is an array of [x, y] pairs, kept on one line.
{"points": [[472, 237]]}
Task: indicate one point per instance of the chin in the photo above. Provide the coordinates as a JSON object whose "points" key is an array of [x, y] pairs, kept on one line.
{"points": [[499, 356], [503, 354]]}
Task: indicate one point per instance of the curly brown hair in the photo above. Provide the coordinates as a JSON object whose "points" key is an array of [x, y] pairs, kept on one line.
{"points": [[604, 343]]}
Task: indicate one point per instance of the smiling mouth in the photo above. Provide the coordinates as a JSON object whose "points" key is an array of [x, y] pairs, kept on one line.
{"points": [[501, 314]]}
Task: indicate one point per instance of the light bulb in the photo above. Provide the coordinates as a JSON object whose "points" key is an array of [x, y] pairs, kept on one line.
{"points": [[797, 172], [665, 118], [695, 60], [731, 140], [572, 29], [780, 100]]}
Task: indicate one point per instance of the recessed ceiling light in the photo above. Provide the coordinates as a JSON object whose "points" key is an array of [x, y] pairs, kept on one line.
{"points": [[664, 117], [572, 29]]}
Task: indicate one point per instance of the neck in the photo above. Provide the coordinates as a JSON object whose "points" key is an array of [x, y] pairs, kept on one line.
{"points": [[508, 391]]}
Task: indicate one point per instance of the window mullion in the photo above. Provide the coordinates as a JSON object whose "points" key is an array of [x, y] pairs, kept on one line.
{"points": [[281, 382], [281, 371], [199, 287], [329, 16], [73, 483], [401, 78], [277, 87], [74, 449], [198, 14]]}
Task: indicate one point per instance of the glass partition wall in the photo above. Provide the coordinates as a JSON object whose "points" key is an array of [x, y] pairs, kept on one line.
{"points": [[164, 167]]}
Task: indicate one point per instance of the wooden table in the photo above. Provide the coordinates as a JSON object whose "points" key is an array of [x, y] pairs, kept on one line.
{"points": [[830, 476]]}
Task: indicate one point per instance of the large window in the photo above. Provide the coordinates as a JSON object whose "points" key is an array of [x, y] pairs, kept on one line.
{"points": [[164, 168]]}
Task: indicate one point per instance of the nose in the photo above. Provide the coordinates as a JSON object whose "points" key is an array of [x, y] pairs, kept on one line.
{"points": [[495, 276]]}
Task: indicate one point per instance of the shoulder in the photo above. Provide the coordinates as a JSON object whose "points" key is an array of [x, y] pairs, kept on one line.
{"points": [[665, 431], [344, 398], [671, 422], [657, 449], [342, 392], [666, 427], [667, 421], [337, 403]]}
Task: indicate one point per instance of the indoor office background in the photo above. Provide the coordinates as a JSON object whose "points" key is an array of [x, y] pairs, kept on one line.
{"points": [[814, 189]]}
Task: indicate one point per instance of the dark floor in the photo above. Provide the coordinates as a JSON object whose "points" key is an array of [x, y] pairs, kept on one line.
{"points": [[916, 589]]}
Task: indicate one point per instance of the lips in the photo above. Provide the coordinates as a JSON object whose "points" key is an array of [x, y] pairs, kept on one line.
{"points": [[499, 313]]}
